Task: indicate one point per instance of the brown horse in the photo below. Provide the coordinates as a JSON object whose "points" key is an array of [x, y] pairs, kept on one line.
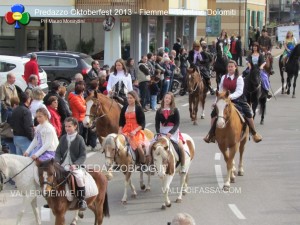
{"points": [[197, 93], [53, 178], [115, 148], [103, 113], [231, 135]]}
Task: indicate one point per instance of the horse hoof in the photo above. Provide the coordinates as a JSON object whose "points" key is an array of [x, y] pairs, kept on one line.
{"points": [[282, 92], [184, 193], [261, 122], [169, 205], [143, 187], [294, 96], [240, 173], [195, 123], [133, 196], [73, 223], [147, 190], [232, 180], [124, 202], [226, 188], [178, 200], [288, 92], [80, 214], [163, 207], [202, 117]]}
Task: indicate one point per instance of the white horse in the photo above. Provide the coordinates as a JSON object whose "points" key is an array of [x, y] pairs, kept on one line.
{"points": [[115, 150], [165, 159], [10, 165]]}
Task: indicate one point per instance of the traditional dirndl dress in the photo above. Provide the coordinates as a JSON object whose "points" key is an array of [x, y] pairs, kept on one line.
{"points": [[131, 124]]}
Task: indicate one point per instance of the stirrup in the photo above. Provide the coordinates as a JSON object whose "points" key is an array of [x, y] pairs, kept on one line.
{"points": [[209, 139]]}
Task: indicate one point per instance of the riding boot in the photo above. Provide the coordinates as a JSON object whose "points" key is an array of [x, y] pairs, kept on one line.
{"points": [[141, 155], [256, 136], [210, 137], [182, 157], [81, 196]]}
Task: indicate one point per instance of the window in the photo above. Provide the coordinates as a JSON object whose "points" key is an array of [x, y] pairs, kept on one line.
{"points": [[6, 67], [67, 62], [46, 61]]}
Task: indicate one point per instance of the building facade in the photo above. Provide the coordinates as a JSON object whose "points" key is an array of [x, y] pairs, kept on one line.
{"points": [[140, 26], [235, 17]]}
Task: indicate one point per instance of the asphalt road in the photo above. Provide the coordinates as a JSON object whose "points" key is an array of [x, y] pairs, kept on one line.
{"points": [[267, 194]]}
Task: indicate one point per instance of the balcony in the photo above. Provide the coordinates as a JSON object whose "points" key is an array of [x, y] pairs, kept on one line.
{"points": [[280, 7]]}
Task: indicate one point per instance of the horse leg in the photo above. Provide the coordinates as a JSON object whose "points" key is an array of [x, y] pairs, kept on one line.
{"points": [[196, 103], [133, 195], [60, 218], [294, 85], [282, 79], [185, 185], [230, 176], [263, 102], [182, 181], [148, 188], [241, 164], [288, 83], [36, 211], [21, 213], [202, 100], [75, 219], [166, 188], [127, 178], [142, 185], [191, 107]]}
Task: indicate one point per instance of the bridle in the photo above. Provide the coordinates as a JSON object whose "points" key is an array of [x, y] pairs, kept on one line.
{"points": [[99, 107], [52, 185], [195, 86], [222, 117]]}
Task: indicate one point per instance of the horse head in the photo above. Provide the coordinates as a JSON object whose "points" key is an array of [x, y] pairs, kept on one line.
{"points": [[50, 176], [254, 78], [223, 107], [93, 110], [110, 150], [163, 157], [3, 172], [193, 80]]}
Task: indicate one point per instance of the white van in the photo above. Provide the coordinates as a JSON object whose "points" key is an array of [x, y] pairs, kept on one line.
{"points": [[16, 65]]}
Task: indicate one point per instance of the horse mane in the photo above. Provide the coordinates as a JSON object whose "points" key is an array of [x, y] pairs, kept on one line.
{"points": [[109, 140], [59, 170]]}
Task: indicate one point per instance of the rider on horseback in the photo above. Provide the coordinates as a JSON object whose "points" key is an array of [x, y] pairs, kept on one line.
{"points": [[265, 45], [167, 122], [132, 124], [289, 45], [119, 82], [235, 84], [71, 154], [258, 60], [201, 61]]}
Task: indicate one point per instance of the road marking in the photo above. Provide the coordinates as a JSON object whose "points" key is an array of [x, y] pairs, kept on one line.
{"points": [[236, 211], [219, 176], [148, 124], [276, 92], [218, 156], [186, 104], [90, 154]]}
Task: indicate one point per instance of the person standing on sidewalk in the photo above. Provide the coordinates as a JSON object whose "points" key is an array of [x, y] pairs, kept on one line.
{"points": [[239, 51], [143, 76], [31, 67]]}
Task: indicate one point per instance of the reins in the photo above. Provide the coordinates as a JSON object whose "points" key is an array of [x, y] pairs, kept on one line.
{"points": [[17, 173]]}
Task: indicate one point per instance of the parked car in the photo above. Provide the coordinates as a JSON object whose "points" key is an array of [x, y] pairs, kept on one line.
{"points": [[15, 65], [62, 66]]}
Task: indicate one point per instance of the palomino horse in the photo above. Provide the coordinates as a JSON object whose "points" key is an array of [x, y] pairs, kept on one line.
{"points": [[255, 93], [220, 62], [117, 150], [53, 178], [292, 69], [22, 169], [231, 135], [103, 113], [197, 93], [166, 159]]}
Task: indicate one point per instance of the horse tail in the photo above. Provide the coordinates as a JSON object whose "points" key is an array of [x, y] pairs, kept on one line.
{"points": [[106, 206], [191, 148]]}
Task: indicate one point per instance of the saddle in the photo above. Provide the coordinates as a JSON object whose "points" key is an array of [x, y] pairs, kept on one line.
{"points": [[243, 120]]}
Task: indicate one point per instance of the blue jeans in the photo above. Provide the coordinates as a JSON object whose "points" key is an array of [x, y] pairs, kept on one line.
{"points": [[21, 143], [10, 143], [165, 88], [153, 102]]}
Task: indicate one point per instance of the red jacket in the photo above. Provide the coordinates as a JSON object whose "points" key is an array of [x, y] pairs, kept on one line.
{"points": [[55, 120], [77, 106], [31, 67]]}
